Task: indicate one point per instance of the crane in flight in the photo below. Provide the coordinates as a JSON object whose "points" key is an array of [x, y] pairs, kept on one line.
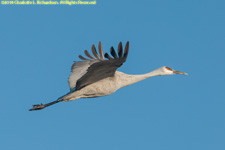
{"points": [[97, 76]]}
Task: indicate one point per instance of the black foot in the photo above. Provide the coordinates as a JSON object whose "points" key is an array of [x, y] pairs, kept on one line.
{"points": [[37, 107]]}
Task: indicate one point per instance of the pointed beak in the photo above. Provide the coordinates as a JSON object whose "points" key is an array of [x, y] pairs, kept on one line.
{"points": [[178, 72]]}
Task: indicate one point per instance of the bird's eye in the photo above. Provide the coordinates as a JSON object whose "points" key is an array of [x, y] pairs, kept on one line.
{"points": [[168, 68]]}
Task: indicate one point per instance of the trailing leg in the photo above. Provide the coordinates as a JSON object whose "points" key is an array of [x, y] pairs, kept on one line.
{"points": [[41, 106]]}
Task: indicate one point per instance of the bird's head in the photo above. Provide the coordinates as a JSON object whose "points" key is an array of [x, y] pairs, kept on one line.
{"points": [[168, 71]]}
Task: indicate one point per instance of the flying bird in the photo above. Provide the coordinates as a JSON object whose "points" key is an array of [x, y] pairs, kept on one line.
{"points": [[97, 76]]}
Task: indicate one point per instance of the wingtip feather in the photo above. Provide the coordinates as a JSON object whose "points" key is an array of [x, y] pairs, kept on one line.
{"points": [[88, 55], [120, 50], [100, 50], [94, 51], [81, 57], [113, 53], [126, 51]]}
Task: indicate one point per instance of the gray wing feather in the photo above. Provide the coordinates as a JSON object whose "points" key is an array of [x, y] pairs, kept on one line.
{"points": [[78, 69], [94, 51], [107, 56], [90, 71], [81, 57], [88, 55], [120, 50], [100, 50], [113, 53]]}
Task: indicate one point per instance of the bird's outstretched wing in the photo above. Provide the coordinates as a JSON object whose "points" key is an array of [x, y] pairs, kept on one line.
{"points": [[96, 68]]}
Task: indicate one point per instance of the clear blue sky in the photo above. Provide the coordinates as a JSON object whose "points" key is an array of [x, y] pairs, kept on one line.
{"points": [[38, 45]]}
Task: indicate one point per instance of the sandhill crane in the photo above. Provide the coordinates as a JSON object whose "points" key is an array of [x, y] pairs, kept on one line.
{"points": [[96, 76]]}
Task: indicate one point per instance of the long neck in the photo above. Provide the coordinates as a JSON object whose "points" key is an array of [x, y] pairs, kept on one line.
{"points": [[126, 79]]}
